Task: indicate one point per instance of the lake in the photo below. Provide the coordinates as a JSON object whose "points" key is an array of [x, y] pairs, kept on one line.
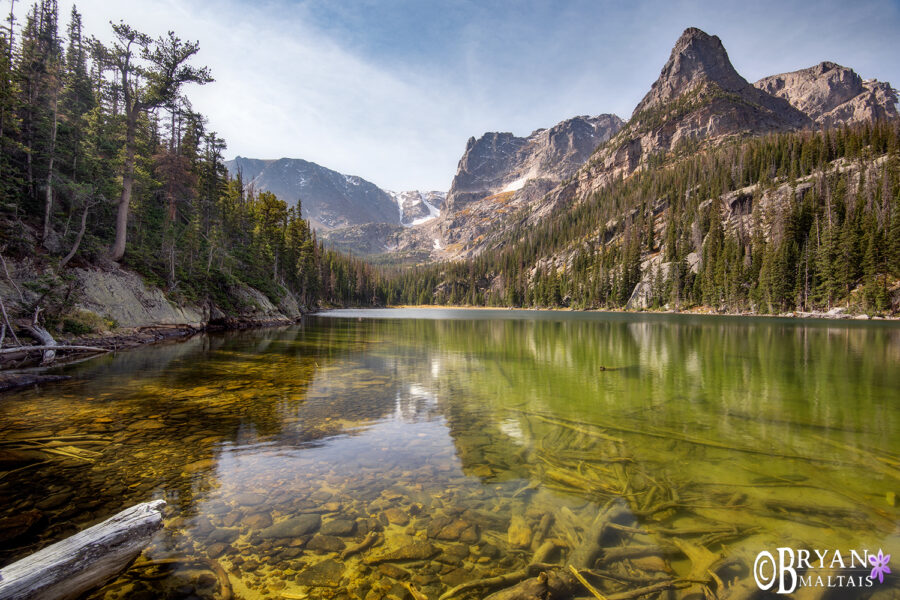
{"points": [[466, 444]]}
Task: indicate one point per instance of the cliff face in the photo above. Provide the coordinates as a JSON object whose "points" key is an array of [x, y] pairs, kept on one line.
{"points": [[832, 95], [501, 162], [499, 174]]}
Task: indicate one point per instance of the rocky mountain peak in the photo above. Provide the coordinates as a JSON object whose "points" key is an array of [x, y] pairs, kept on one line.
{"points": [[696, 56], [329, 199], [831, 94]]}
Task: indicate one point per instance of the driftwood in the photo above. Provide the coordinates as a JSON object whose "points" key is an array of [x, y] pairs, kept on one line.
{"points": [[367, 542], [586, 584], [583, 556], [44, 337], [415, 593], [44, 347], [536, 565], [84, 561], [554, 584]]}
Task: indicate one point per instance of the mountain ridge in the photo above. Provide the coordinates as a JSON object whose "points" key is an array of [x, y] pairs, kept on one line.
{"points": [[698, 100], [329, 199], [831, 94]]}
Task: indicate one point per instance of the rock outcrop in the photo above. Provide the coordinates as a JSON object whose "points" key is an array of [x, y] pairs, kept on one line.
{"points": [[113, 301], [329, 199], [368, 239], [833, 95], [501, 162]]}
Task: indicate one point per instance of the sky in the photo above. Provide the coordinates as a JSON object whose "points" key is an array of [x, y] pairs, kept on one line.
{"points": [[391, 90]]}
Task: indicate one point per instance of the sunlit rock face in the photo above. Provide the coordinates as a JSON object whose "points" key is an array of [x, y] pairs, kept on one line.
{"points": [[832, 95], [502, 162]]}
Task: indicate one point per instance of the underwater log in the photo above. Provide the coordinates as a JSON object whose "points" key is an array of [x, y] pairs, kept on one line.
{"points": [[84, 561]]}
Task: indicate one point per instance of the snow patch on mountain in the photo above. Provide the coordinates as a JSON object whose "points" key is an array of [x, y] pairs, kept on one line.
{"points": [[418, 207]]}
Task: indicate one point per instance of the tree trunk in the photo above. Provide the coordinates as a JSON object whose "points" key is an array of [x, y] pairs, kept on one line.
{"points": [[48, 201], [78, 237], [48, 344], [118, 248]]}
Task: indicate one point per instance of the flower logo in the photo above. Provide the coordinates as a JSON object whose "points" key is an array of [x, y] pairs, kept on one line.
{"points": [[879, 565]]}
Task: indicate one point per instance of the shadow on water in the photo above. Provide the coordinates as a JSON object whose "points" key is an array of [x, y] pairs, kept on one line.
{"points": [[463, 440]]}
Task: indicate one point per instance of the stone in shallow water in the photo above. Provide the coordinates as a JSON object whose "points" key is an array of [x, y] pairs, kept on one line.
{"points": [[199, 465], [293, 527], [249, 499], [224, 535], [325, 543], [290, 552], [324, 574], [393, 571], [455, 577], [216, 550], [54, 501], [402, 548], [259, 520], [396, 516], [339, 527]]}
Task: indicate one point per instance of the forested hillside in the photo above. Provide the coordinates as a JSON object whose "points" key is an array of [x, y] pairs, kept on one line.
{"points": [[105, 161], [802, 221]]}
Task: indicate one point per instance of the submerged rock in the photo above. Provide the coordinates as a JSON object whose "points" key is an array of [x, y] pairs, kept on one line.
{"points": [[259, 520], [224, 535], [324, 574], [293, 527], [325, 543], [249, 499], [396, 516], [216, 550], [339, 527], [401, 549]]}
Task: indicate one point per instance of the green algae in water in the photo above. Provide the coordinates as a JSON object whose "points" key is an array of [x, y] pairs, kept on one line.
{"points": [[461, 442]]}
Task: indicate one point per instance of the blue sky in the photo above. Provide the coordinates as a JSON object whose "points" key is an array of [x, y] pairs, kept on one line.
{"points": [[391, 90]]}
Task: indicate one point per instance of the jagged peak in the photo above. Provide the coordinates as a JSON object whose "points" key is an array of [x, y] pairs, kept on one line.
{"points": [[696, 56], [695, 35]]}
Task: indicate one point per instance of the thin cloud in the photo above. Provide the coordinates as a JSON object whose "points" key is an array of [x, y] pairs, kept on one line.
{"points": [[391, 90]]}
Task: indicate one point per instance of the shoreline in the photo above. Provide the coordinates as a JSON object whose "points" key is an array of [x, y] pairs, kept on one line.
{"points": [[29, 374], [824, 316]]}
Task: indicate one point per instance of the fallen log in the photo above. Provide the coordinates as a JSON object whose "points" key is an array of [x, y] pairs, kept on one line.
{"points": [[583, 556], [46, 347], [536, 565], [84, 561], [553, 584], [45, 338]]}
